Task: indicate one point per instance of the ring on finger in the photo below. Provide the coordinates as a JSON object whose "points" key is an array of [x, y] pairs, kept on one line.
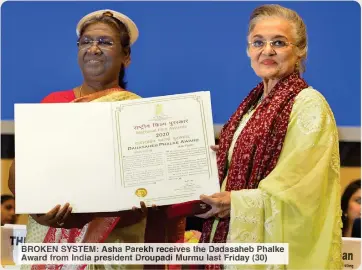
{"points": [[60, 224]]}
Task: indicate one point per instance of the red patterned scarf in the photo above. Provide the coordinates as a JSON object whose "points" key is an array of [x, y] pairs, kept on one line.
{"points": [[258, 147]]}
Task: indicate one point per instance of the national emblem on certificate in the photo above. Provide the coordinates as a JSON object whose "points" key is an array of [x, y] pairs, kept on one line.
{"points": [[155, 150]]}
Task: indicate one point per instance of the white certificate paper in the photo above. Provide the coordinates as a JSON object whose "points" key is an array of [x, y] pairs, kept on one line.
{"points": [[104, 157]]}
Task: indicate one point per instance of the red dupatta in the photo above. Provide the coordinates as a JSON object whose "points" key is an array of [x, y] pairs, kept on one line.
{"points": [[257, 148]]}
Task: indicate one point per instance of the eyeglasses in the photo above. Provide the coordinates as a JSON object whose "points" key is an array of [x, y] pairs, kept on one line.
{"points": [[102, 43], [275, 44]]}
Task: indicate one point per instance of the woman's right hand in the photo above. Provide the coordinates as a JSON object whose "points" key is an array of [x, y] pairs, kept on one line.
{"points": [[56, 217]]}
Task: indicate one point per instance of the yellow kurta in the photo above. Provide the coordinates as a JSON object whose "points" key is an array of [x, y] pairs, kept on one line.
{"points": [[299, 201]]}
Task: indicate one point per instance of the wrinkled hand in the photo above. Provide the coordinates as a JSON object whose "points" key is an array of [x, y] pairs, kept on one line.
{"points": [[54, 218], [219, 203]]}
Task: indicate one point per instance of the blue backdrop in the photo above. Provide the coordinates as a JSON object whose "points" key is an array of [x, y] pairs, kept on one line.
{"points": [[183, 47]]}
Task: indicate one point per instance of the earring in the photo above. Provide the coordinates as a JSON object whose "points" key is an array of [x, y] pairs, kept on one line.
{"points": [[297, 66]]}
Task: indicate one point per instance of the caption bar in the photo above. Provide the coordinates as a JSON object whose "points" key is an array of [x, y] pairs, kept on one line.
{"points": [[195, 254]]}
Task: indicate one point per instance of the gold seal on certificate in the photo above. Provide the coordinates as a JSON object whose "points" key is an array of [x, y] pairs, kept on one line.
{"points": [[155, 150], [141, 192]]}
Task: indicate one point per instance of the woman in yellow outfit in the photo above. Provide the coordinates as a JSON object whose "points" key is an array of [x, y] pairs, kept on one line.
{"points": [[278, 156]]}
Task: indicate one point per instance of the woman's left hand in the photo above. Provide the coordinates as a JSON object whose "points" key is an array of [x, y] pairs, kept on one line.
{"points": [[220, 205]]}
